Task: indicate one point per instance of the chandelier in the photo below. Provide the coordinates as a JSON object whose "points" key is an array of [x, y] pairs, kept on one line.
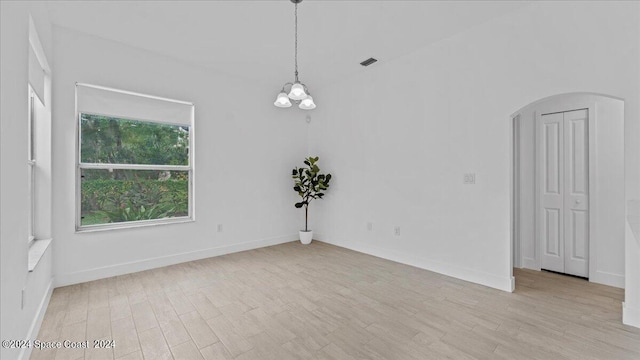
{"points": [[298, 91]]}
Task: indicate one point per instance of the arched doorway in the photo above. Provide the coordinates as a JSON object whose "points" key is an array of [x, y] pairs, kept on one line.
{"points": [[559, 217]]}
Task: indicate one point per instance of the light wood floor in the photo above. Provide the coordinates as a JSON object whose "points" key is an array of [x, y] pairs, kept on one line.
{"points": [[324, 302]]}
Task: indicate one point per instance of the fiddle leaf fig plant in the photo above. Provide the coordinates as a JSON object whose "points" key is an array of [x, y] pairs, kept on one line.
{"points": [[310, 184]]}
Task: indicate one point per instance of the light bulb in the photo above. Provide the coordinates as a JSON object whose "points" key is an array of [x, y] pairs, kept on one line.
{"points": [[307, 104], [297, 92], [282, 101]]}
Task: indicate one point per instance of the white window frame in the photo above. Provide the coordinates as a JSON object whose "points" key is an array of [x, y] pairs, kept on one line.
{"points": [[31, 164], [190, 168]]}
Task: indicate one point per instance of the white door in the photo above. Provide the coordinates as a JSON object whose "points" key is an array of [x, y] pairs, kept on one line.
{"points": [[576, 196], [551, 178], [563, 219]]}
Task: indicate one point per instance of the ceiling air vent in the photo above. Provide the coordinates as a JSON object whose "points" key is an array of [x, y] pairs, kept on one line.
{"points": [[368, 62]]}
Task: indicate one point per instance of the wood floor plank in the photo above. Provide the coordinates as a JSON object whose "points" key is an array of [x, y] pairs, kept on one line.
{"points": [[266, 347], [204, 307], [74, 333], [198, 329], [153, 345], [216, 351], [271, 326], [186, 351], [99, 328], [180, 303], [335, 352], [224, 330], [125, 337], [133, 356], [143, 316], [172, 328]]}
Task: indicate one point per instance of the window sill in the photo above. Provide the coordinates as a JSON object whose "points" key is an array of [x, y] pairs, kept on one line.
{"points": [[133, 225], [36, 251]]}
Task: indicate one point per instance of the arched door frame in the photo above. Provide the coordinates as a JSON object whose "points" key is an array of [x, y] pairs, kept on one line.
{"points": [[560, 102]]}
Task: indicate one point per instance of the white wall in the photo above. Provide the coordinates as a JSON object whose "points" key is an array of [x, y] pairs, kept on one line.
{"points": [[245, 148], [608, 199], [631, 307], [19, 322], [400, 136]]}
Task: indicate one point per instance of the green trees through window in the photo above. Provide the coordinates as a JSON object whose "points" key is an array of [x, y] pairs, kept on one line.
{"points": [[109, 140], [132, 170]]}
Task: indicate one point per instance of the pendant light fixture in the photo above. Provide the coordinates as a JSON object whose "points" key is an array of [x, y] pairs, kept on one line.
{"points": [[298, 91]]}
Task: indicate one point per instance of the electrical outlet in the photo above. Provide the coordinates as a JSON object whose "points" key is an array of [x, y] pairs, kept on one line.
{"points": [[219, 227], [369, 226], [396, 230], [469, 178]]}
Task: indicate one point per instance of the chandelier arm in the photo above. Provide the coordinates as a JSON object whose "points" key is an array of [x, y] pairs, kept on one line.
{"points": [[285, 85]]}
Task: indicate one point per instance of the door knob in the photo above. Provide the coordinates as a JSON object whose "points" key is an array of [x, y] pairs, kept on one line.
{"points": [[578, 201]]}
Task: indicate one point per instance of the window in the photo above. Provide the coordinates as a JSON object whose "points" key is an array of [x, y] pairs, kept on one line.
{"points": [[35, 95], [31, 164], [132, 171]]}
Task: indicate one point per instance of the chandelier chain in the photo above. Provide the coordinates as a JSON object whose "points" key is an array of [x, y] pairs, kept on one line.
{"points": [[296, 42]]}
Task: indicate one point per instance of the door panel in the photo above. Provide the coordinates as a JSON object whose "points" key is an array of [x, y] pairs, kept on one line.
{"points": [[576, 199], [551, 178], [553, 233], [552, 157], [579, 227], [578, 155]]}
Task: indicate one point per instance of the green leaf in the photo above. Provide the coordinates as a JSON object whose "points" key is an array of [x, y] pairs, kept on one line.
{"points": [[308, 182]]}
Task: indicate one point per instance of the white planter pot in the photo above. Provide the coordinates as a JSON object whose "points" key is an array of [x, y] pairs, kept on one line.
{"points": [[306, 236]]}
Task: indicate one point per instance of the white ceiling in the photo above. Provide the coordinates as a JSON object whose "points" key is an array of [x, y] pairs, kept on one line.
{"points": [[255, 38]]}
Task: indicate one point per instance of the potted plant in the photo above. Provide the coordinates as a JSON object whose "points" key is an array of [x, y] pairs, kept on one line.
{"points": [[309, 184]]}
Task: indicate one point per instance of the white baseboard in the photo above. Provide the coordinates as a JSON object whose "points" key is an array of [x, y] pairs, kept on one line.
{"points": [[630, 315], [530, 263], [506, 283], [600, 277], [34, 329], [152, 263], [606, 278]]}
